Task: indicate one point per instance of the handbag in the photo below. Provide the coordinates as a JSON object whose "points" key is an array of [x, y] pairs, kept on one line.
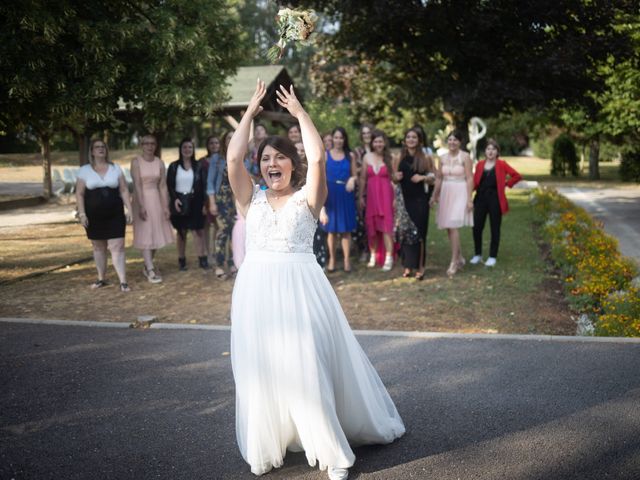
{"points": [[186, 201]]}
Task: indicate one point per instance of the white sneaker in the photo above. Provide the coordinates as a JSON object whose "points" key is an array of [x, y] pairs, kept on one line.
{"points": [[151, 275], [388, 263], [491, 262], [338, 473], [372, 260], [475, 260]]}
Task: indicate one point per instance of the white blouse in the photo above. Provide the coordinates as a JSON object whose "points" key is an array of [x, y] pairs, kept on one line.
{"points": [[92, 179], [184, 180]]}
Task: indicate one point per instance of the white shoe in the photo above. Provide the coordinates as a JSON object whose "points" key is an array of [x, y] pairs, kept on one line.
{"points": [[475, 260], [491, 262], [388, 263], [372, 260], [338, 473]]}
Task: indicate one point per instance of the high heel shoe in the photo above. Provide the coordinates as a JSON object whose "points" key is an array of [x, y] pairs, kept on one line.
{"points": [[452, 270]]}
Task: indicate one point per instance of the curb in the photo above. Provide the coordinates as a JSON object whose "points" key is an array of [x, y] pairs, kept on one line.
{"points": [[375, 333], [22, 202]]}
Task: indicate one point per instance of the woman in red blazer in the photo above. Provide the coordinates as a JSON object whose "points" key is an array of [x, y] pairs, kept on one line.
{"points": [[490, 180]]}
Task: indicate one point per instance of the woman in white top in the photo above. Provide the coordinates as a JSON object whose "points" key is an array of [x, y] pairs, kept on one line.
{"points": [[302, 380], [186, 182], [101, 193]]}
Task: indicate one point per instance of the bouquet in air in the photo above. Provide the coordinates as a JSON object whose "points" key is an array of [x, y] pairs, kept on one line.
{"points": [[293, 26]]}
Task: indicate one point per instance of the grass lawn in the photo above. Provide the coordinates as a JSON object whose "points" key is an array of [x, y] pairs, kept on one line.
{"points": [[517, 296]]}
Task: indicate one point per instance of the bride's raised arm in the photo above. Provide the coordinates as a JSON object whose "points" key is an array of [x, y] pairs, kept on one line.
{"points": [[313, 147], [239, 177]]}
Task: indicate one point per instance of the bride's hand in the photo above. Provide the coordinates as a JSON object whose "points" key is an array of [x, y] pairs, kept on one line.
{"points": [[254, 107], [288, 100]]}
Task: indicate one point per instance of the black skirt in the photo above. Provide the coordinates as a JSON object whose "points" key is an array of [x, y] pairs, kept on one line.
{"points": [[194, 220], [105, 212]]}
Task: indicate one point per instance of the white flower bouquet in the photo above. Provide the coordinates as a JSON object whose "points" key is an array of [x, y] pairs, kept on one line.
{"points": [[293, 26]]}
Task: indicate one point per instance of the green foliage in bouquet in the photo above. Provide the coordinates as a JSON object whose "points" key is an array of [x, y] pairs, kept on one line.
{"points": [[293, 26]]}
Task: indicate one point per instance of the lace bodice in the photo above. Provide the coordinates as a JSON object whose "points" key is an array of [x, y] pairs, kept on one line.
{"points": [[288, 230], [453, 168]]}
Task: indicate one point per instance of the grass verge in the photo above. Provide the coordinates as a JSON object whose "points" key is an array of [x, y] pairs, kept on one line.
{"points": [[517, 296]]}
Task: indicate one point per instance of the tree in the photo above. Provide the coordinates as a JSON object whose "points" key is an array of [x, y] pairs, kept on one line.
{"points": [[175, 66], [479, 58], [57, 68]]}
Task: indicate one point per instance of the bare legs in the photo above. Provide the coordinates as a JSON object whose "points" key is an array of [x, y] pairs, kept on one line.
{"points": [[457, 261], [345, 243], [100, 257], [147, 256], [198, 237], [116, 246]]}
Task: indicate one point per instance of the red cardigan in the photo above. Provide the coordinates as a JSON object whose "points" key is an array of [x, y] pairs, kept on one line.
{"points": [[502, 170]]}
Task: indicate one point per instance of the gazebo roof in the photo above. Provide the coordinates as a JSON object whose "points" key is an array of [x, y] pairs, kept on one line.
{"points": [[243, 84]]}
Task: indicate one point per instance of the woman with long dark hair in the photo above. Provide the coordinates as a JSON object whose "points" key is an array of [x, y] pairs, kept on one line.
{"points": [[415, 174], [186, 184], [340, 206], [101, 194], [376, 200]]}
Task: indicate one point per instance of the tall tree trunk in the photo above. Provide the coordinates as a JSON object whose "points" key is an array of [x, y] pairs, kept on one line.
{"points": [[159, 137], [45, 151], [594, 157], [83, 148]]}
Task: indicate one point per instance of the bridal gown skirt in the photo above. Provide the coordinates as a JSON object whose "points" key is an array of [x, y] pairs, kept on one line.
{"points": [[302, 380]]}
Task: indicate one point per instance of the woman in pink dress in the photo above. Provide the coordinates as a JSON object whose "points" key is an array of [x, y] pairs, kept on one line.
{"points": [[375, 180], [151, 227], [454, 185]]}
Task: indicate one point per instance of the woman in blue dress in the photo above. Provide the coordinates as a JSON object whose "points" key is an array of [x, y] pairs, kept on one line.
{"points": [[340, 205]]}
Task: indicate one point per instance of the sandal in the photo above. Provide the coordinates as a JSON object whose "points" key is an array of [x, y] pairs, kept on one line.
{"points": [[220, 274], [99, 284], [406, 274], [124, 287], [419, 276]]}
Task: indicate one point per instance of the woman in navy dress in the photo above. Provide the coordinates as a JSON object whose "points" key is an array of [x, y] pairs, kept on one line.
{"points": [[340, 205]]}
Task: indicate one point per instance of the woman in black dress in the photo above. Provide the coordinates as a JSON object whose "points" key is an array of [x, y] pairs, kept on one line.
{"points": [[101, 194], [186, 182], [415, 173]]}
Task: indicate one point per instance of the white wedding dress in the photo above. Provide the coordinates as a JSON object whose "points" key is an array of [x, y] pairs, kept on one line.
{"points": [[302, 380]]}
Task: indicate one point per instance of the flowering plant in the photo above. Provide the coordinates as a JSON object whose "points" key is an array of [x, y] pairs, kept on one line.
{"points": [[597, 278], [293, 26]]}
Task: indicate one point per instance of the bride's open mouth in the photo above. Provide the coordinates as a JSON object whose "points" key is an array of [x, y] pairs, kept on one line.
{"points": [[275, 175]]}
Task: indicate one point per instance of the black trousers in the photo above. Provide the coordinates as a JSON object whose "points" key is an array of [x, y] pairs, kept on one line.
{"points": [[487, 203]]}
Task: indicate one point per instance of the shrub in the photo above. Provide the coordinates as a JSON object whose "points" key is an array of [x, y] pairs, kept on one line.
{"points": [[597, 277], [564, 158], [630, 166]]}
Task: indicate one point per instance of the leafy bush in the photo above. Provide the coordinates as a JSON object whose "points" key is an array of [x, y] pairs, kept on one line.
{"points": [[327, 116], [597, 277], [563, 156], [630, 166], [542, 146]]}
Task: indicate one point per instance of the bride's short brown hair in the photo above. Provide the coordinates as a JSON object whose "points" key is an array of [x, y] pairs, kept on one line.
{"points": [[288, 149]]}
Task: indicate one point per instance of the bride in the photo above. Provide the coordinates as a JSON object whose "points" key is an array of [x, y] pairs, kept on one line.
{"points": [[302, 380]]}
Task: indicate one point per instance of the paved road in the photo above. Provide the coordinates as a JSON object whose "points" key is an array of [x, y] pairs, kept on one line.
{"points": [[617, 208], [84, 403]]}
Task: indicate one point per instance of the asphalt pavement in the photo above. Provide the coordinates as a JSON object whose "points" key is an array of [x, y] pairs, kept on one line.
{"points": [[618, 208], [112, 403]]}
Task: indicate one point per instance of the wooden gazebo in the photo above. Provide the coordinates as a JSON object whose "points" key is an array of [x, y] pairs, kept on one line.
{"points": [[242, 86]]}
